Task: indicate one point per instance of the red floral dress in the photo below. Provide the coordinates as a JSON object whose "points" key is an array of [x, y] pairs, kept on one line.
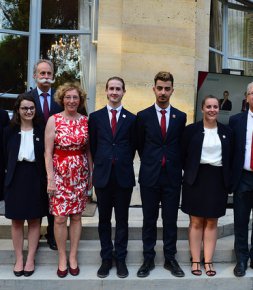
{"points": [[70, 166]]}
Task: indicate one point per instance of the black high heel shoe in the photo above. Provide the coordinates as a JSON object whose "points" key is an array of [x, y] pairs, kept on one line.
{"points": [[209, 272], [18, 273], [198, 271]]}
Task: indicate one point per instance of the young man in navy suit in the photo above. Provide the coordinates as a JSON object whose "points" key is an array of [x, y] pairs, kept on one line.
{"points": [[242, 183], [159, 129], [112, 146], [43, 74]]}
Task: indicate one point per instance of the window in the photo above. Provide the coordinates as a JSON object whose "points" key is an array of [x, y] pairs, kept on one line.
{"points": [[60, 30], [231, 36]]}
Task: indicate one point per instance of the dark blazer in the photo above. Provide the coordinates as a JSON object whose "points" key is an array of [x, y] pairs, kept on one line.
{"points": [[106, 149], [227, 106], [238, 124], [152, 147], [54, 107], [192, 142], [4, 121], [12, 140]]}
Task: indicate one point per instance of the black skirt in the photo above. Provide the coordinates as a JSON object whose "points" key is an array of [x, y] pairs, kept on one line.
{"points": [[207, 197], [26, 196]]}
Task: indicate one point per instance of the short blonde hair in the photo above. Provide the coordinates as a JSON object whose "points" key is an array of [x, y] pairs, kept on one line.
{"points": [[61, 91]]}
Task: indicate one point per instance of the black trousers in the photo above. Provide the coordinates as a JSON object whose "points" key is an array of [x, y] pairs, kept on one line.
{"points": [[151, 198], [243, 205], [109, 197]]}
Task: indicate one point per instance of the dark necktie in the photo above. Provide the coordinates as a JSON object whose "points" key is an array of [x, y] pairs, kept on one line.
{"points": [[113, 121], [45, 106], [163, 129]]}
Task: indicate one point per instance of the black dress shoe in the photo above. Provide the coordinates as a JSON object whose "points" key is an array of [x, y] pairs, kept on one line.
{"points": [[104, 269], [122, 271], [18, 273], [174, 268], [251, 264], [240, 269], [51, 242], [146, 267]]}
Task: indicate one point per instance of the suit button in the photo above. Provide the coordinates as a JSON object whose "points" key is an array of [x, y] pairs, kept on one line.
{"points": [[113, 144]]}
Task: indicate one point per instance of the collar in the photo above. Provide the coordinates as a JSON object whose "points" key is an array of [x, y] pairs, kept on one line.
{"points": [[118, 109], [158, 109], [40, 91]]}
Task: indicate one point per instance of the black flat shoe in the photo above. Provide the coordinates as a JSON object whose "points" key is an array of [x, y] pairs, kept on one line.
{"points": [[122, 271], [146, 267], [28, 273], [18, 273]]}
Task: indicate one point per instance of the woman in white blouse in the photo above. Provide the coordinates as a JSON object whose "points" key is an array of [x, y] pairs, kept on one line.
{"points": [[206, 160], [25, 181]]}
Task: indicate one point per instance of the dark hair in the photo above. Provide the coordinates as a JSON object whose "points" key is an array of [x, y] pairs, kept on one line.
{"points": [[208, 97], [15, 120], [117, 79], [164, 76]]}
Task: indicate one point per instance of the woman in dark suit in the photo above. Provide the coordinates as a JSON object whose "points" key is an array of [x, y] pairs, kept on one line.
{"points": [[206, 160], [4, 121], [25, 181]]}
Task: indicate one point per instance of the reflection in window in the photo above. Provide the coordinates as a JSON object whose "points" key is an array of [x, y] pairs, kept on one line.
{"points": [[60, 14], [14, 14], [216, 25], [69, 55], [13, 63]]}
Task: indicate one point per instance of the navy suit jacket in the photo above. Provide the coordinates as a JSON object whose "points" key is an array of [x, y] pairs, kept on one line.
{"points": [[4, 121], [192, 142], [238, 124], [152, 147], [227, 106], [107, 149], [54, 107], [12, 140]]}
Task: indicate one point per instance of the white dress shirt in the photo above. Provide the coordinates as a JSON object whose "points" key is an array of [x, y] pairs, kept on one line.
{"points": [[26, 149], [109, 108], [211, 148], [42, 98], [248, 141], [159, 115]]}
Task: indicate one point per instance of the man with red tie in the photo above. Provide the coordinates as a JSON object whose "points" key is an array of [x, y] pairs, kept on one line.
{"points": [[159, 130], [43, 74], [242, 183], [112, 145]]}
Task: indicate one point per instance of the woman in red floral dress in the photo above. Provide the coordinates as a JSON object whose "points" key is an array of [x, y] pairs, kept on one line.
{"points": [[69, 167]]}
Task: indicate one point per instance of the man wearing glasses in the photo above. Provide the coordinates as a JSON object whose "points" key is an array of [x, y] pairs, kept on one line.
{"points": [[43, 74], [242, 183]]}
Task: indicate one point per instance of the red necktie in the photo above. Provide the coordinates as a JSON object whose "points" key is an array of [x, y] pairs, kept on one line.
{"points": [[113, 121], [163, 129], [251, 156], [45, 106]]}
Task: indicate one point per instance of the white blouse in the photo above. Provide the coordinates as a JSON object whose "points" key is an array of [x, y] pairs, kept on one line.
{"points": [[26, 149], [211, 149]]}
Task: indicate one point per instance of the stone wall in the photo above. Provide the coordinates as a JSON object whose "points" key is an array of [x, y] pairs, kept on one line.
{"points": [[136, 39]]}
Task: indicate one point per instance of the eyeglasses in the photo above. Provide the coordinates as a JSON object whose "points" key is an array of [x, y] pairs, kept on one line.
{"points": [[26, 109], [74, 98]]}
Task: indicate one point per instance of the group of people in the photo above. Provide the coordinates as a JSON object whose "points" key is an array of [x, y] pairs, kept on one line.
{"points": [[61, 154]]}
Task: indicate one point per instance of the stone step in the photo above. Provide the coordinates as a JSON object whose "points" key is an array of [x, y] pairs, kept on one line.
{"points": [[89, 252], [90, 232], [45, 278]]}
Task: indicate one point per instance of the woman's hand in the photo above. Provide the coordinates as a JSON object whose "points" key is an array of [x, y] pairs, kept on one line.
{"points": [[51, 186], [90, 182]]}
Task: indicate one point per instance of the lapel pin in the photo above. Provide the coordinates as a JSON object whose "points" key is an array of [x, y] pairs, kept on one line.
{"points": [[223, 136], [173, 116], [37, 139], [124, 116]]}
